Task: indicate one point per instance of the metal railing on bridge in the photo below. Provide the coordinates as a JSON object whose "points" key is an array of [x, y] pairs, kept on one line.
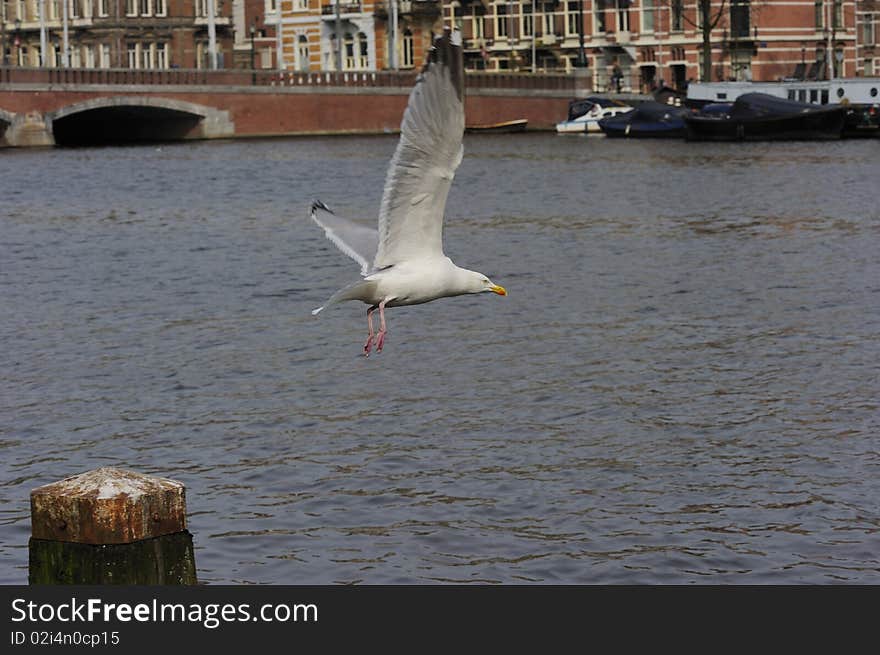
{"points": [[13, 75]]}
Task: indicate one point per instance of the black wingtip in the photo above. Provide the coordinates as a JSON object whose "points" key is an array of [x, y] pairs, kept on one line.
{"points": [[317, 204], [449, 53]]}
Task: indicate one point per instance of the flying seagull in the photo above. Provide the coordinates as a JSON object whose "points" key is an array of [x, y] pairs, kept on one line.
{"points": [[402, 263]]}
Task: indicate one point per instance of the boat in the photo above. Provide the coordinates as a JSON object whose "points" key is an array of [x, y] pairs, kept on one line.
{"points": [[584, 115], [505, 127], [648, 120], [763, 117], [844, 90], [859, 95]]}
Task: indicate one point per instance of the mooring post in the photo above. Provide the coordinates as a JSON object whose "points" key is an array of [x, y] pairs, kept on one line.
{"points": [[110, 526]]}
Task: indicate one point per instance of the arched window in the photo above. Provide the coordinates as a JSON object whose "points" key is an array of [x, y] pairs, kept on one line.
{"points": [[303, 52], [408, 54], [363, 51]]}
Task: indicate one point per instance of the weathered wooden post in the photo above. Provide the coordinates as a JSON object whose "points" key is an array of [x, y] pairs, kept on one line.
{"points": [[110, 526]]}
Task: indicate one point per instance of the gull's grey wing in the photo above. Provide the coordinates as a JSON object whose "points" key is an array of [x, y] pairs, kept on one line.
{"points": [[357, 241], [429, 151]]}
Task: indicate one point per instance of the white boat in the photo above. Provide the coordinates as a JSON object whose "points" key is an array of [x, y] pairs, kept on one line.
{"points": [[584, 115], [842, 90]]}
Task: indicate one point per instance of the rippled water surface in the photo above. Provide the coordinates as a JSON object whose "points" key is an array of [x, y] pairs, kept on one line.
{"points": [[682, 385]]}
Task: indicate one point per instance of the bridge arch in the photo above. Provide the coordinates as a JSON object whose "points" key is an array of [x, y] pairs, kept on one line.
{"points": [[115, 119]]}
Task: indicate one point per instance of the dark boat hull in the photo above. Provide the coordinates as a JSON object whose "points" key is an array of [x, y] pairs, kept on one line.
{"points": [[821, 124], [644, 130], [862, 121]]}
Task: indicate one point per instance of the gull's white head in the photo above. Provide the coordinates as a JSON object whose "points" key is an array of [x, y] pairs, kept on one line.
{"points": [[478, 283]]}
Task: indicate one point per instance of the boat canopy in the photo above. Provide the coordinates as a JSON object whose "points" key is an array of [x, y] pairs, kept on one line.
{"points": [[760, 105]]}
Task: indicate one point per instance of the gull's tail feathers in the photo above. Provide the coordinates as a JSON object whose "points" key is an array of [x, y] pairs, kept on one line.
{"points": [[357, 241], [363, 290]]}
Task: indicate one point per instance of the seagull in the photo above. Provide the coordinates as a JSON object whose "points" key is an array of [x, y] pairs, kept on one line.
{"points": [[402, 262]]}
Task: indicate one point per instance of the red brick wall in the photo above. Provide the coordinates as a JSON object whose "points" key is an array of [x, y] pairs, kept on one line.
{"points": [[308, 113]]}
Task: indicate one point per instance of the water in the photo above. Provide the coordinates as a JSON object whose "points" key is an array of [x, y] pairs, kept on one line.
{"points": [[681, 387]]}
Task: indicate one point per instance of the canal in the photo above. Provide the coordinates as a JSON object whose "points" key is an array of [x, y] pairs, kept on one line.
{"points": [[681, 386]]}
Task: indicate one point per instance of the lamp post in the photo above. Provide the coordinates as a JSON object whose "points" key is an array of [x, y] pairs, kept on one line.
{"points": [[253, 33]]}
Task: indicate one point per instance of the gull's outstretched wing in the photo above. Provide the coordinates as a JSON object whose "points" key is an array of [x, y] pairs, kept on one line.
{"points": [[357, 241], [429, 151]]}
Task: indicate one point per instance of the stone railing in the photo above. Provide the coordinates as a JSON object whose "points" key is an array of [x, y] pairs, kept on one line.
{"points": [[12, 75]]}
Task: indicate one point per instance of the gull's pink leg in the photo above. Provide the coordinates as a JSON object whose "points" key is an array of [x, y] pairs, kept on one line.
{"points": [[380, 338], [369, 344]]}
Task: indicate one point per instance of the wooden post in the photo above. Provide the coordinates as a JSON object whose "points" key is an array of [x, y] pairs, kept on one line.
{"points": [[110, 526]]}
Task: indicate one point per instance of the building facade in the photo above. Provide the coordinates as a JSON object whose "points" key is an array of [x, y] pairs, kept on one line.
{"points": [[626, 45], [304, 32], [141, 34], [633, 45]]}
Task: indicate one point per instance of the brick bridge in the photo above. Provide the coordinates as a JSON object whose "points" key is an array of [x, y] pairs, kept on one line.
{"points": [[61, 106]]}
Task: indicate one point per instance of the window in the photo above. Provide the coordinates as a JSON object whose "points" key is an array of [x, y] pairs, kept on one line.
{"points": [[868, 32], [161, 55], [549, 19], [677, 12], [131, 49], [89, 56], [22, 56], [500, 21], [303, 53], [75, 58], [147, 56], [456, 15], [528, 25], [103, 7], [869, 68], [330, 55], [105, 55], [20, 10], [479, 24], [145, 9], [74, 9], [201, 7], [837, 21], [623, 15], [160, 7], [408, 55], [131, 7], [739, 19], [571, 18], [819, 14], [363, 51], [600, 15], [348, 49], [647, 15], [301, 5]]}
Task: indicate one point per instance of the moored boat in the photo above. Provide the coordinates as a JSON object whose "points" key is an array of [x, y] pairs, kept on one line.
{"points": [[504, 127], [584, 115], [763, 117], [648, 120]]}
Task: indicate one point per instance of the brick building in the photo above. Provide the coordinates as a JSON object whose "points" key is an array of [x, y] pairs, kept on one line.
{"points": [[145, 34], [309, 33], [627, 44], [641, 42]]}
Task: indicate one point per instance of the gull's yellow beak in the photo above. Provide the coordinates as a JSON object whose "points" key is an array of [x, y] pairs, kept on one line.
{"points": [[498, 289]]}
